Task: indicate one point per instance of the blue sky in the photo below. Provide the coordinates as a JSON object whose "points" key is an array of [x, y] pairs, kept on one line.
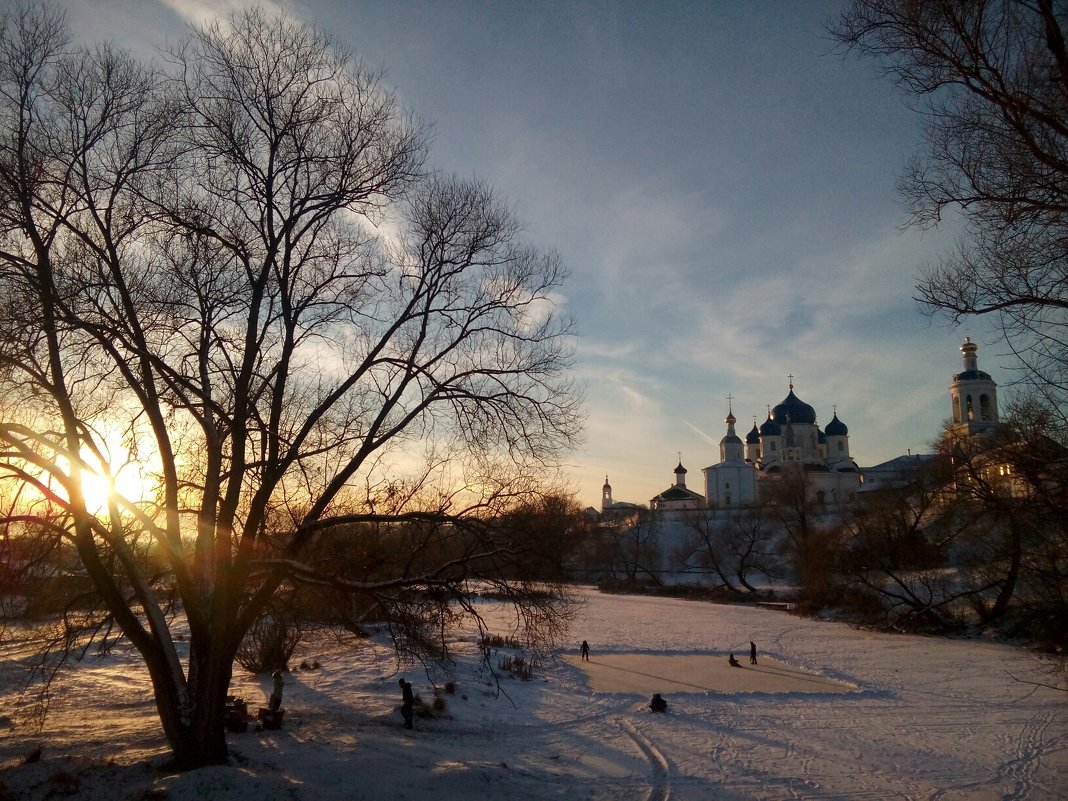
{"points": [[721, 183]]}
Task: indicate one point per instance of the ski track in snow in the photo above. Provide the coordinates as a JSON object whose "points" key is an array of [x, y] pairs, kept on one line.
{"points": [[1032, 742], [660, 781]]}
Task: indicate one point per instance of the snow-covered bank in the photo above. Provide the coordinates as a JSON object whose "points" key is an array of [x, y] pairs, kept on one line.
{"points": [[928, 718]]}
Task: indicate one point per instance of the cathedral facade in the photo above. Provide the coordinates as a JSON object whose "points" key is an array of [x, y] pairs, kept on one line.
{"points": [[789, 447], [790, 453], [788, 450]]}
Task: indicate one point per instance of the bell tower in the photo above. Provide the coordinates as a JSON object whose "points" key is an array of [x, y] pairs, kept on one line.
{"points": [[606, 494], [973, 395]]}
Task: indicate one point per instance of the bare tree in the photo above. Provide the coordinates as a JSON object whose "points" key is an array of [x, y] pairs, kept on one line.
{"points": [[993, 79], [543, 533], [1012, 486], [630, 548], [990, 549], [975, 536], [733, 549], [229, 277], [896, 545], [803, 544]]}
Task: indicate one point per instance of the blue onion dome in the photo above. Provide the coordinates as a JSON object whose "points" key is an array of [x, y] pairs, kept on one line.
{"points": [[680, 469], [836, 428], [753, 437], [794, 410], [769, 428]]}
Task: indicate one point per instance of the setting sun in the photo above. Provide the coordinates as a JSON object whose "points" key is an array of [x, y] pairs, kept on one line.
{"points": [[99, 490], [120, 473]]}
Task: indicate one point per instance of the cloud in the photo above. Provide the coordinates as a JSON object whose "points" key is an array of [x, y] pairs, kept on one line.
{"points": [[205, 11]]}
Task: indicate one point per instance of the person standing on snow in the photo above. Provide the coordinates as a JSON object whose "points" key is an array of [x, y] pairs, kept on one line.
{"points": [[752, 653], [275, 703], [407, 701], [585, 651]]}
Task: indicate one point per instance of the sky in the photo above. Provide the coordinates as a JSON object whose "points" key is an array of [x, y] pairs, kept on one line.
{"points": [[721, 182]]}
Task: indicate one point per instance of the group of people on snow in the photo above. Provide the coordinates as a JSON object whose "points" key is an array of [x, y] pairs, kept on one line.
{"points": [[658, 703], [752, 656]]}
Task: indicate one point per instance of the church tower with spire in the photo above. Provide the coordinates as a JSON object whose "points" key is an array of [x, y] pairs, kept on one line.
{"points": [[731, 447], [973, 395], [732, 482]]}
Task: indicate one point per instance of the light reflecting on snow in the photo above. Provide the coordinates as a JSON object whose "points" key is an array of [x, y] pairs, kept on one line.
{"points": [[925, 718]]}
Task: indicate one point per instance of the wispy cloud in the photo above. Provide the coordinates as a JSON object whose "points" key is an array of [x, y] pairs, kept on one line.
{"points": [[203, 11]]}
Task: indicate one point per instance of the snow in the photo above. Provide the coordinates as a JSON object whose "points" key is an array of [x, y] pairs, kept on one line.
{"points": [[829, 712], [645, 674]]}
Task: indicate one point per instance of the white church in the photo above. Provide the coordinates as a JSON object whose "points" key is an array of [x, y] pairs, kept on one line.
{"points": [[791, 447]]}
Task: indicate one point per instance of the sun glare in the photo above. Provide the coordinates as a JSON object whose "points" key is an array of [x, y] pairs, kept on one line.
{"points": [[128, 479], [99, 491], [96, 489]]}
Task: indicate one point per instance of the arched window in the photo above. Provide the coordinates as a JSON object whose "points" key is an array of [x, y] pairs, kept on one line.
{"points": [[841, 446]]}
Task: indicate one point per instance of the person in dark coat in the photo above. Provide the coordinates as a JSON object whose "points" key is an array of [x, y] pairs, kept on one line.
{"points": [[407, 701], [585, 651], [752, 652], [658, 704], [275, 703], [734, 662]]}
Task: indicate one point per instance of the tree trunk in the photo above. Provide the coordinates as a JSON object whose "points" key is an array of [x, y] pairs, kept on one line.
{"points": [[200, 743], [719, 571], [1008, 586], [745, 583], [194, 723]]}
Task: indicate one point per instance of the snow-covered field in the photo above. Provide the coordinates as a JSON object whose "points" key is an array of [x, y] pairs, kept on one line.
{"points": [[903, 718]]}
